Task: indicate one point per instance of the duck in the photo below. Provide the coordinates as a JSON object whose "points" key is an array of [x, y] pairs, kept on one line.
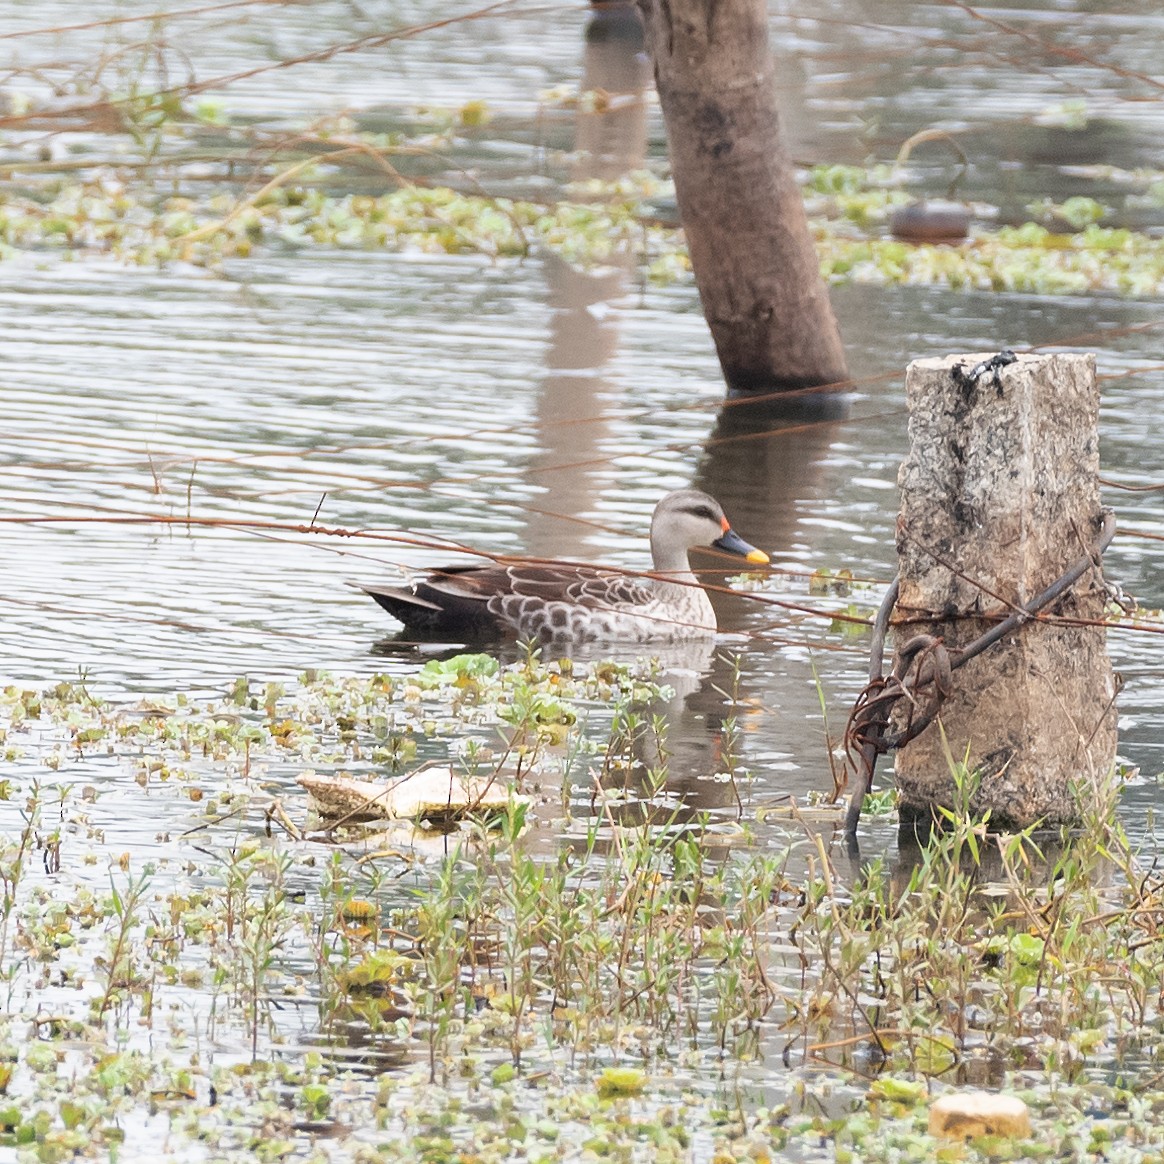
{"points": [[567, 602]]}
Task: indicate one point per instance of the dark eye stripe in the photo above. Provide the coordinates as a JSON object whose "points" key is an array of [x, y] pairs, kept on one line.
{"points": [[702, 511]]}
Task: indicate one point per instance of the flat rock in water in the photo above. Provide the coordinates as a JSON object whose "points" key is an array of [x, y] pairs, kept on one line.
{"points": [[966, 1114], [438, 794]]}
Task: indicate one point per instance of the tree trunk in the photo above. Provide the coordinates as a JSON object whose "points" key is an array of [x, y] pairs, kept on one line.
{"points": [[754, 261]]}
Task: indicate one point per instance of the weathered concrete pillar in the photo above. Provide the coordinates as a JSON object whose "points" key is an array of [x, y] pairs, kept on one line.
{"points": [[999, 495]]}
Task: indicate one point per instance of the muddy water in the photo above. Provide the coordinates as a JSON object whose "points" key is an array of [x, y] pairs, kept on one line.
{"points": [[511, 407]]}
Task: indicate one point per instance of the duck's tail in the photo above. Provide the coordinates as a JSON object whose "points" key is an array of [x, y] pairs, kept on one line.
{"points": [[404, 606]]}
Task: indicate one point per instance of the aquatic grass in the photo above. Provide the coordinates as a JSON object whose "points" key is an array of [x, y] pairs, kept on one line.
{"points": [[444, 936], [558, 977], [122, 976], [988, 953], [630, 934], [14, 858]]}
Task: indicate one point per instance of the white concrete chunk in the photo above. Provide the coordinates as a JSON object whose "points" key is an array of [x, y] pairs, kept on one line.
{"points": [[965, 1114], [437, 794]]}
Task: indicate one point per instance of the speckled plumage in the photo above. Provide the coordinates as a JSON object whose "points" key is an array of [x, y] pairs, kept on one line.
{"points": [[565, 603]]}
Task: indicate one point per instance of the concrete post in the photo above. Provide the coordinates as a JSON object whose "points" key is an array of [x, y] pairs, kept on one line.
{"points": [[999, 495]]}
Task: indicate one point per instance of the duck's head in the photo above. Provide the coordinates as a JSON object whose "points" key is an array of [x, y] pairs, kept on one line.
{"points": [[688, 518]]}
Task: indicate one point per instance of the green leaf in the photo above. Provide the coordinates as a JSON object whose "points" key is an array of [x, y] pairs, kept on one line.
{"points": [[459, 667], [898, 1090], [615, 1081], [1027, 948]]}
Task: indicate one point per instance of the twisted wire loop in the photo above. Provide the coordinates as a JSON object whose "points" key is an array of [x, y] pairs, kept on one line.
{"points": [[922, 674]]}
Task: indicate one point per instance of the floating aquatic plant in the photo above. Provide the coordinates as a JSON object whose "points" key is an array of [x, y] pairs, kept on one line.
{"points": [[514, 988]]}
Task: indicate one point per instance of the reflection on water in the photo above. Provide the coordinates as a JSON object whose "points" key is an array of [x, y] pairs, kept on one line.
{"points": [[575, 403]]}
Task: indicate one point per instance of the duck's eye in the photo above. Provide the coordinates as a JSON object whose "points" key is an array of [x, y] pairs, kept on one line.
{"points": [[704, 512]]}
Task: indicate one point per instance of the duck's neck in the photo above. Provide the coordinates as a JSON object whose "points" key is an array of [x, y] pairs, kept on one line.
{"points": [[679, 590], [671, 561]]}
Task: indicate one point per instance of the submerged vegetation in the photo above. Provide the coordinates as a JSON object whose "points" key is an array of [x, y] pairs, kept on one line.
{"points": [[602, 972]]}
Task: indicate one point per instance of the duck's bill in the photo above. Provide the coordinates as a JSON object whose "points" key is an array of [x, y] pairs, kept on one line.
{"points": [[732, 543]]}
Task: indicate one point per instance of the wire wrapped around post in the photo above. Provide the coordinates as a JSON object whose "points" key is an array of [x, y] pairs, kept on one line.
{"points": [[922, 671]]}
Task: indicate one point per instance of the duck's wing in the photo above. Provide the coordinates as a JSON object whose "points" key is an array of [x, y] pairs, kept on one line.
{"points": [[535, 583], [568, 602], [583, 586], [520, 596]]}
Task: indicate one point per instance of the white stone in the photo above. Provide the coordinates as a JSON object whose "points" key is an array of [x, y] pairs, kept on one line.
{"points": [[427, 794], [965, 1114]]}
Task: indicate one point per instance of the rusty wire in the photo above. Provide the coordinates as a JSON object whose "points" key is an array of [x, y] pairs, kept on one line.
{"points": [[922, 673]]}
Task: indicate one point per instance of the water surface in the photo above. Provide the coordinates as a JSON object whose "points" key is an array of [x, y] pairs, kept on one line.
{"points": [[458, 403]]}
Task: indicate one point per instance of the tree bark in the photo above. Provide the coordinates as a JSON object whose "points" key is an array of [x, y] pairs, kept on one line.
{"points": [[747, 234]]}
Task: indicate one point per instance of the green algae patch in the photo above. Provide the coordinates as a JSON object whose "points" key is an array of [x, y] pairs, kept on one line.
{"points": [[903, 1091]]}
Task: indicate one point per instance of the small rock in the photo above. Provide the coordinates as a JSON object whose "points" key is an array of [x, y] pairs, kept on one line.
{"points": [[965, 1114]]}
